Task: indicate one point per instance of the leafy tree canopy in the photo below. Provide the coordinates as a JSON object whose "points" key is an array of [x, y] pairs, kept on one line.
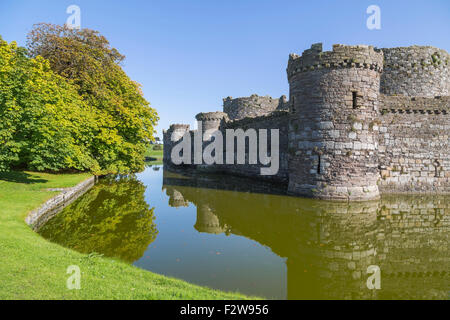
{"points": [[66, 103], [44, 123]]}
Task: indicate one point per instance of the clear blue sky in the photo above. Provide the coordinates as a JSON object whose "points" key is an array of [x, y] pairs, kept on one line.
{"points": [[188, 55]]}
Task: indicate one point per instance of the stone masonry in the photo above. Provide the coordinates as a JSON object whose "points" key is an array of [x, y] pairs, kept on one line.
{"points": [[253, 106], [38, 217], [359, 121]]}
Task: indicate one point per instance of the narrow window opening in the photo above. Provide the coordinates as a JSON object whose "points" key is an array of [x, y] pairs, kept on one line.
{"points": [[293, 105], [354, 99], [436, 168], [318, 164]]}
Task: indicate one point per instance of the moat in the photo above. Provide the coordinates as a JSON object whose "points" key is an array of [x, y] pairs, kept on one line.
{"points": [[234, 234]]}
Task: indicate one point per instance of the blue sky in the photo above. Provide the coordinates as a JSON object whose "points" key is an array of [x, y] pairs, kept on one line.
{"points": [[188, 55]]}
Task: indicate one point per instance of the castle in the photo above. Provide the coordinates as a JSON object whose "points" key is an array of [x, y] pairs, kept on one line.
{"points": [[360, 121]]}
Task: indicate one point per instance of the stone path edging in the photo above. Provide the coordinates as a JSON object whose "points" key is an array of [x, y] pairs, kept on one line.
{"points": [[50, 208]]}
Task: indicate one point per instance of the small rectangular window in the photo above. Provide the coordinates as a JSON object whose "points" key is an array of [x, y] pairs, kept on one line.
{"points": [[355, 102], [318, 165]]}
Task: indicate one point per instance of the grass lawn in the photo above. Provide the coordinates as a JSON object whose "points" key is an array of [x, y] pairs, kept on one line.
{"points": [[33, 268], [158, 154]]}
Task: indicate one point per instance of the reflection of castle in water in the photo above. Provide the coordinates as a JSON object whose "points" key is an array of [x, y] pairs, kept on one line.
{"points": [[329, 246]]}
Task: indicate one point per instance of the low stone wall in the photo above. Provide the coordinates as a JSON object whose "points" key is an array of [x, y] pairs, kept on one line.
{"points": [[49, 209]]}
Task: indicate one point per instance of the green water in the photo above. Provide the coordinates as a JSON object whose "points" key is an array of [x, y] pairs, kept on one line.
{"points": [[242, 235]]}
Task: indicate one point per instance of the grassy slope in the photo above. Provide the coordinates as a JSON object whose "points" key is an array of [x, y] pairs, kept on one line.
{"points": [[158, 154], [33, 268]]}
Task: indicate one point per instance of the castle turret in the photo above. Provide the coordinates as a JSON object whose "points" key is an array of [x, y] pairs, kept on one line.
{"points": [[333, 127], [171, 137], [253, 106], [416, 71], [211, 120]]}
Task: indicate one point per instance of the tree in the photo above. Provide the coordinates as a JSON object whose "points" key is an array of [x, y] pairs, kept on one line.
{"points": [[45, 125], [124, 119]]}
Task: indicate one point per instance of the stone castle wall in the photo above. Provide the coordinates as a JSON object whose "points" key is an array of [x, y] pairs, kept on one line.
{"points": [[414, 144], [359, 121], [278, 120], [253, 106], [219, 121], [416, 72]]}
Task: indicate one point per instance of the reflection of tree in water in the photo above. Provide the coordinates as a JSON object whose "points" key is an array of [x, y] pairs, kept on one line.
{"points": [[112, 218]]}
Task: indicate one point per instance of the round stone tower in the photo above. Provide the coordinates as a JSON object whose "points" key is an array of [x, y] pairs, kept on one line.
{"points": [[211, 120], [253, 106], [416, 71], [171, 137], [333, 130]]}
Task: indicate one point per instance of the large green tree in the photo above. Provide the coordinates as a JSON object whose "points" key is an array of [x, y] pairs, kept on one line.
{"points": [[44, 123], [124, 119]]}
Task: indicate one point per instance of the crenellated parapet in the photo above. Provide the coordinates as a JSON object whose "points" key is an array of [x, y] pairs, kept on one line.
{"points": [[211, 120], [179, 127], [414, 105], [342, 56], [253, 106]]}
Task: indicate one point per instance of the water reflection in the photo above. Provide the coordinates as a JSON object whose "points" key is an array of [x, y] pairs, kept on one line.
{"points": [[112, 218], [329, 246], [237, 234]]}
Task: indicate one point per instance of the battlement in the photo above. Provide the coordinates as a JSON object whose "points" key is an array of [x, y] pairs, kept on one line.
{"points": [[249, 122], [211, 120], [179, 127], [342, 56], [416, 105], [211, 116], [253, 106]]}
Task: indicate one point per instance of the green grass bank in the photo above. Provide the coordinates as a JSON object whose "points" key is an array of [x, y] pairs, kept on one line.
{"points": [[34, 268], [154, 153]]}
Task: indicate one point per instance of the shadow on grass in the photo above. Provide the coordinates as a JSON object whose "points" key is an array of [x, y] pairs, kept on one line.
{"points": [[20, 177]]}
